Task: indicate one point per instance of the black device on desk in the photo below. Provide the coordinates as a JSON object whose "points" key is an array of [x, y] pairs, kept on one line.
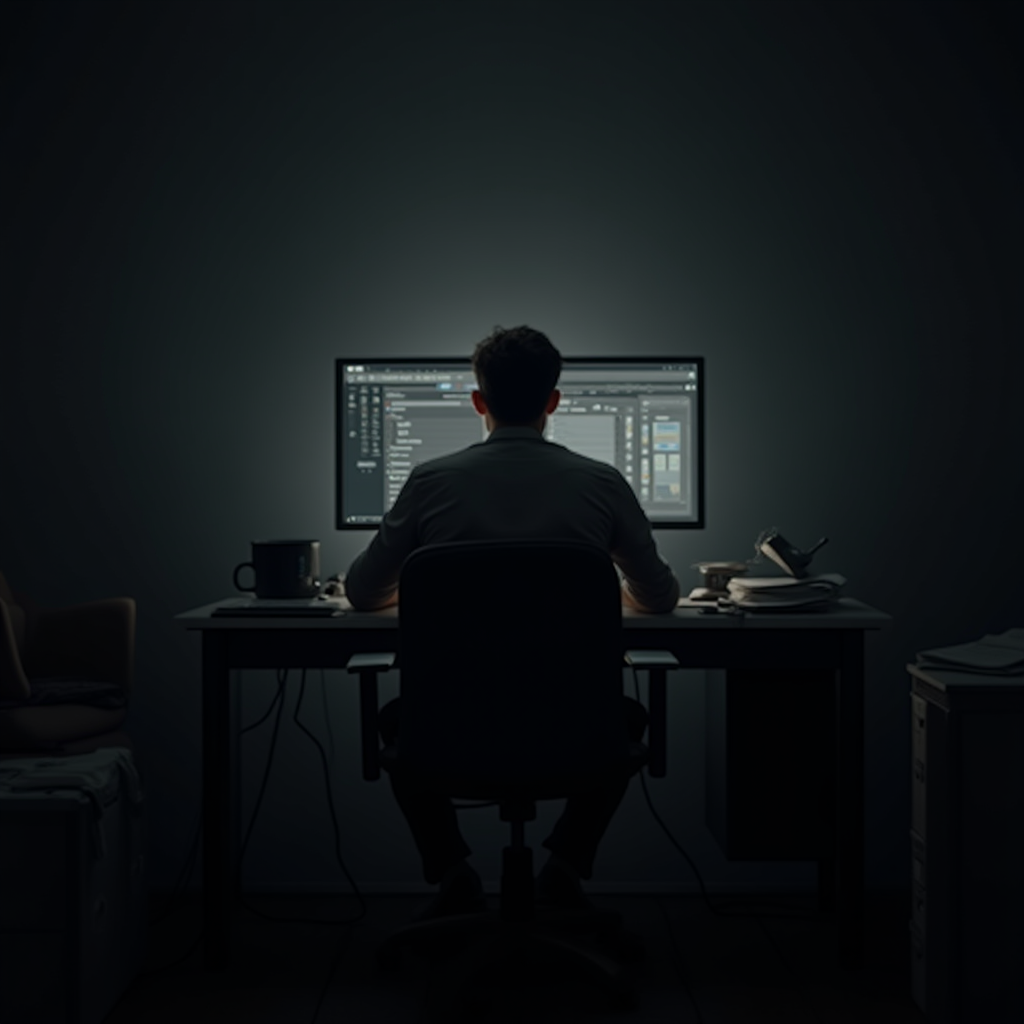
{"points": [[788, 558]]}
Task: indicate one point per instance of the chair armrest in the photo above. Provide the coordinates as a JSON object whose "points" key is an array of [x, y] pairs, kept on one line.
{"points": [[371, 662], [369, 666], [96, 638], [651, 659], [13, 681], [657, 664]]}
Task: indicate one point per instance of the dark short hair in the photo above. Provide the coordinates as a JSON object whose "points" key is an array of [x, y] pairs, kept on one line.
{"points": [[516, 370]]}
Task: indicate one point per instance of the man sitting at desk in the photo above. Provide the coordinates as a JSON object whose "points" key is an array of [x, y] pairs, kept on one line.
{"points": [[513, 485]]}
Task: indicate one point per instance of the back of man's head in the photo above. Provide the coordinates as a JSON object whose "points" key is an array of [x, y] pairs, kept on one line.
{"points": [[516, 370]]}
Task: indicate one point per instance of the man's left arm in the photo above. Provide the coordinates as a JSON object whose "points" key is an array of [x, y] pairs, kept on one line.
{"points": [[372, 579], [649, 583]]}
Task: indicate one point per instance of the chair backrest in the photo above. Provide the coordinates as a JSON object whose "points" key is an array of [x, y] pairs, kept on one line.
{"points": [[510, 664]]}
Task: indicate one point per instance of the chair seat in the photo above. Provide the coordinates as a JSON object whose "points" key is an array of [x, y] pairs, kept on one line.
{"points": [[45, 728], [66, 674], [547, 786]]}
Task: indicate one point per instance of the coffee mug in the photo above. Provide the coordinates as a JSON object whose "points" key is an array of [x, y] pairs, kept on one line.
{"points": [[283, 568]]}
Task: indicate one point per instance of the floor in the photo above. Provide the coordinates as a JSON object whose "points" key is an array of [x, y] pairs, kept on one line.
{"points": [[776, 964]]}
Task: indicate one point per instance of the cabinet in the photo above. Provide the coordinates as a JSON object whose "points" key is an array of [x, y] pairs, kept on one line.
{"points": [[967, 846], [73, 899]]}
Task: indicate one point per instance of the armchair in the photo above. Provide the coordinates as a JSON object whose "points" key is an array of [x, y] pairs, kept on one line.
{"points": [[65, 675]]}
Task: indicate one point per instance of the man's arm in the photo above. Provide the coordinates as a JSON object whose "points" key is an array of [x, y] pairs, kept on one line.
{"points": [[659, 605], [372, 580], [631, 602], [648, 583]]}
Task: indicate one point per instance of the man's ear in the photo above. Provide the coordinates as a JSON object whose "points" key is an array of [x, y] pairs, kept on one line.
{"points": [[478, 402], [553, 401]]}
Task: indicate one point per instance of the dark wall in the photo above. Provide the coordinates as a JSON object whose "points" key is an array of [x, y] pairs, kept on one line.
{"points": [[206, 204]]}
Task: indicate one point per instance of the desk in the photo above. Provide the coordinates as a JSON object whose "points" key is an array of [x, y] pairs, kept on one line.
{"points": [[830, 641]]}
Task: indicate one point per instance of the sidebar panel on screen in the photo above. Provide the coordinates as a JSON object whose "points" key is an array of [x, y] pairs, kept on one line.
{"points": [[363, 470]]}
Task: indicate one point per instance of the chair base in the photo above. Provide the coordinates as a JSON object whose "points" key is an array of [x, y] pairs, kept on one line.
{"points": [[488, 940]]}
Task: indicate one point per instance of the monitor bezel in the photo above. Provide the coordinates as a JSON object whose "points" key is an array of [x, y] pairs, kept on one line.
{"points": [[341, 362]]}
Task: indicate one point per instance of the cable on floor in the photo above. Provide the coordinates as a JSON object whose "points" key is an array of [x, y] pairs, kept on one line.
{"points": [[720, 911]]}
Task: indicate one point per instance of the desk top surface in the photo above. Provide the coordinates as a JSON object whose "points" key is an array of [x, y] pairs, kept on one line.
{"points": [[846, 613]]}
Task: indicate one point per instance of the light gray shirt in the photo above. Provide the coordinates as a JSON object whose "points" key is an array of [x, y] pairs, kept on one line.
{"points": [[514, 485]]}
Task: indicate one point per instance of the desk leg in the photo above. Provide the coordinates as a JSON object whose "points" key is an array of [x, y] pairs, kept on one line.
{"points": [[217, 874], [849, 850]]}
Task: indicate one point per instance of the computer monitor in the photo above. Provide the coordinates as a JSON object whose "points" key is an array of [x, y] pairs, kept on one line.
{"points": [[645, 416]]}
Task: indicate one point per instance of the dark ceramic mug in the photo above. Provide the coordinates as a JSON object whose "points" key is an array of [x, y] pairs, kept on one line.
{"points": [[283, 568]]}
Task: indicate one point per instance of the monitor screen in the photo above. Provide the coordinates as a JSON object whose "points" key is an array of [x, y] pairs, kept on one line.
{"points": [[642, 415]]}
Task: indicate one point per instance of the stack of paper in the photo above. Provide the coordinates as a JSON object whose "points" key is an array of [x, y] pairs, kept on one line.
{"points": [[996, 654], [784, 593]]}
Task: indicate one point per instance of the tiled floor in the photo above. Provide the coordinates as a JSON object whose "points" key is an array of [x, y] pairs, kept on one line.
{"points": [[700, 968]]}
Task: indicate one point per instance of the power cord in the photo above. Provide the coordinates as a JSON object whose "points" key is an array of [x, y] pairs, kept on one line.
{"points": [[190, 860], [186, 874], [282, 681], [719, 911], [278, 702]]}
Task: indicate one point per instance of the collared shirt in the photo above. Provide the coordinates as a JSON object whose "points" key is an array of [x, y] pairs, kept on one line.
{"points": [[515, 485]]}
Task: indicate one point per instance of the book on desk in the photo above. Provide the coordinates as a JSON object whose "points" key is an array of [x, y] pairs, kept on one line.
{"points": [[774, 593]]}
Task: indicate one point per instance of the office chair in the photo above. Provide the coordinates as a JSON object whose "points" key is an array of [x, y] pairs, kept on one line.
{"points": [[511, 657], [65, 675]]}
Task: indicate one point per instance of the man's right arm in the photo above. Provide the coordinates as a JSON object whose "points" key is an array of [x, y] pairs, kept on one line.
{"points": [[372, 579]]}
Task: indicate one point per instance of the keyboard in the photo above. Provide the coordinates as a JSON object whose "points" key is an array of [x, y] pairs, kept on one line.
{"points": [[302, 607]]}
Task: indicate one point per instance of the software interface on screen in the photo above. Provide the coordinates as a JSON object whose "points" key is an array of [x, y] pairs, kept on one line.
{"points": [[642, 416]]}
